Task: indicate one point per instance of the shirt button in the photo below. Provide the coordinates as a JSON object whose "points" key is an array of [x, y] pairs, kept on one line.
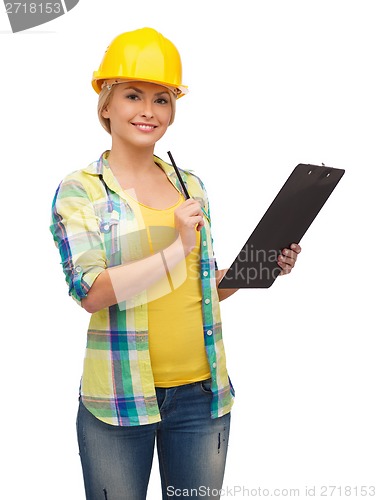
{"points": [[209, 332], [214, 365], [78, 269], [207, 301], [106, 227], [204, 243], [205, 273]]}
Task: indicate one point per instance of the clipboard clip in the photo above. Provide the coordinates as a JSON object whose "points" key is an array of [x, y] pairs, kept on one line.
{"points": [[328, 173], [323, 165]]}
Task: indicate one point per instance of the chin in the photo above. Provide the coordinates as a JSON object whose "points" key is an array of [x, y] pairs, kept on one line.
{"points": [[147, 140]]}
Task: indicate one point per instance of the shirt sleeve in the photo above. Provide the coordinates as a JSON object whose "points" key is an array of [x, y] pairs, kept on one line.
{"points": [[75, 229]]}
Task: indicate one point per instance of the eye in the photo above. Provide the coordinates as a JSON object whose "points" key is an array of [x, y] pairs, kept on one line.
{"points": [[162, 100], [132, 97]]}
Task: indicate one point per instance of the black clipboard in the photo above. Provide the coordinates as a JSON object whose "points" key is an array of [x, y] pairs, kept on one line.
{"points": [[286, 221]]}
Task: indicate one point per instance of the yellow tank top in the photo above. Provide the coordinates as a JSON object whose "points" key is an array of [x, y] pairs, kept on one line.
{"points": [[175, 322]]}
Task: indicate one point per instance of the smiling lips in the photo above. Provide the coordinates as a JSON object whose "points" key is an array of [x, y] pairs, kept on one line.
{"points": [[144, 127]]}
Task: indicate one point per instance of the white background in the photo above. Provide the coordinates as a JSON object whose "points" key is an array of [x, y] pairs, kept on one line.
{"points": [[272, 84]]}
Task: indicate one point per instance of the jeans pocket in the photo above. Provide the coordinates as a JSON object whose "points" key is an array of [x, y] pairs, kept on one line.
{"points": [[205, 386]]}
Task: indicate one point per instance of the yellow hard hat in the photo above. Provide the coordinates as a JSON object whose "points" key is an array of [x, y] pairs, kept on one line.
{"points": [[143, 55]]}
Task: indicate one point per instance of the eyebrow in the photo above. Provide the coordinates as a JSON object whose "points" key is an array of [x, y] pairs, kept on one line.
{"points": [[141, 92]]}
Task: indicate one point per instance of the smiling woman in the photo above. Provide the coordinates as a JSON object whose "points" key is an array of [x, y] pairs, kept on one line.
{"points": [[138, 256], [134, 236]]}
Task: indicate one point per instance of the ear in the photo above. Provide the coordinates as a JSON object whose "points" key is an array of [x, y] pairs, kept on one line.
{"points": [[105, 112]]}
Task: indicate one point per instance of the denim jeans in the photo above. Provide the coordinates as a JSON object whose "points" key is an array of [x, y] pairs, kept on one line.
{"points": [[191, 447]]}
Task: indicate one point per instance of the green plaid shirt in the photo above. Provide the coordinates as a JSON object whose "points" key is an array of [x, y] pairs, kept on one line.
{"points": [[94, 227]]}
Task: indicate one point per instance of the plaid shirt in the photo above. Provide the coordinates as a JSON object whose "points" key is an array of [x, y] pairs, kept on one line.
{"points": [[94, 227]]}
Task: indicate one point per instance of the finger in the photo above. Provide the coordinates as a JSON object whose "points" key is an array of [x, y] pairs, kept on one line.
{"points": [[190, 219], [285, 268], [291, 261], [194, 220], [288, 256], [296, 247], [288, 262], [200, 225], [293, 254], [288, 253], [194, 209], [191, 202]]}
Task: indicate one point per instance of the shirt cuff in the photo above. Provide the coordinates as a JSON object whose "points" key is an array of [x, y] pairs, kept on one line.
{"points": [[83, 281]]}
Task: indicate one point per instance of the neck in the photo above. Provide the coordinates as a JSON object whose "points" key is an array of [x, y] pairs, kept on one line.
{"points": [[135, 162]]}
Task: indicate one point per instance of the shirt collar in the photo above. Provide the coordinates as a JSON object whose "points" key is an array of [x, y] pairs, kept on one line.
{"points": [[101, 167]]}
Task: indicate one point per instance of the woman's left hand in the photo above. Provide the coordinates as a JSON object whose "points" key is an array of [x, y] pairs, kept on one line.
{"points": [[287, 259]]}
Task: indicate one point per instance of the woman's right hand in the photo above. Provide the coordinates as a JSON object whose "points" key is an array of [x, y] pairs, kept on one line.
{"points": [[188, 217]]}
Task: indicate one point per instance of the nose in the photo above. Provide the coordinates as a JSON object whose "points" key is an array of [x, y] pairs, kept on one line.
{"points": [[147, 112]]}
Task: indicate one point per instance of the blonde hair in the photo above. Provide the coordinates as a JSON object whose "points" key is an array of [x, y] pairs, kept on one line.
{"points": [[104, 99]]}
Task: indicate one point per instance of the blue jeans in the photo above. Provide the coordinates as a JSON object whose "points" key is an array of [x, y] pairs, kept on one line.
{"points": [[191, 447]]}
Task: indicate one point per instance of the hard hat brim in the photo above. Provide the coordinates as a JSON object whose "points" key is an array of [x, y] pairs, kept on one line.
{"points": [[97, 84]]}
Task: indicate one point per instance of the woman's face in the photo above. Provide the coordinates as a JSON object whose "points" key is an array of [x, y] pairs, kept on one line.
{"points": [[139, 112]]}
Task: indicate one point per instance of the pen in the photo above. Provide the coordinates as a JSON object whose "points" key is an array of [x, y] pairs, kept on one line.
{"points": [[178, 175], [182, 183]]}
